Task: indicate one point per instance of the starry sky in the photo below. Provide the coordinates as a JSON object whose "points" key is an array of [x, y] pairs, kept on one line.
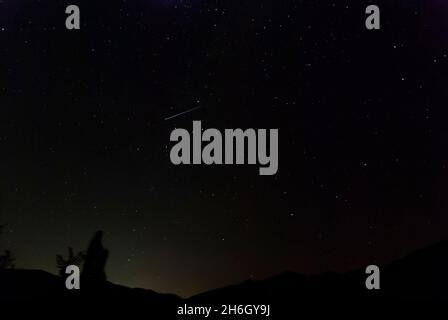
{"points": [[84, 143]]}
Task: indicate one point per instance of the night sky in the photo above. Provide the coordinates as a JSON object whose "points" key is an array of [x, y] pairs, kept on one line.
{"points": [[362, 118]]}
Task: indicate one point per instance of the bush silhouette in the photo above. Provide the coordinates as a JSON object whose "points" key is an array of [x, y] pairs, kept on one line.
{"points": [[72, 259]]}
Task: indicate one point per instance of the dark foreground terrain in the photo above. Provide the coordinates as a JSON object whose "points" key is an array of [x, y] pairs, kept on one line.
{"points": [[420, 275]]}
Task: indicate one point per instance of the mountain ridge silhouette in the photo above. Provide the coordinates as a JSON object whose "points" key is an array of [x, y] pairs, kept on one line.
{"points": [[419, 275]]}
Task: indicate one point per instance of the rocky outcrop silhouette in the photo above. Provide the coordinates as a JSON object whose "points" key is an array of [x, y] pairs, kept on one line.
{"points": [[95, 260]]}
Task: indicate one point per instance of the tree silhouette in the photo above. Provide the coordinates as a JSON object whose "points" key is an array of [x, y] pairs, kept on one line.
{"points": [[72, 259], [7, 258]]}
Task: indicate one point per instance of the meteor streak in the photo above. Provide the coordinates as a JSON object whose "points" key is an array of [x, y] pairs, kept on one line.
{"points": [[182, 113]]}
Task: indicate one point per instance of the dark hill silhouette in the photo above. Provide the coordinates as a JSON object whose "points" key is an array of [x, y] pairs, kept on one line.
{"points": [[49, 291], [420, 275]]}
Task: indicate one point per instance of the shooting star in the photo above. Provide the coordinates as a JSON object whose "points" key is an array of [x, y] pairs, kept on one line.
{"points": [[182, 113]]}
